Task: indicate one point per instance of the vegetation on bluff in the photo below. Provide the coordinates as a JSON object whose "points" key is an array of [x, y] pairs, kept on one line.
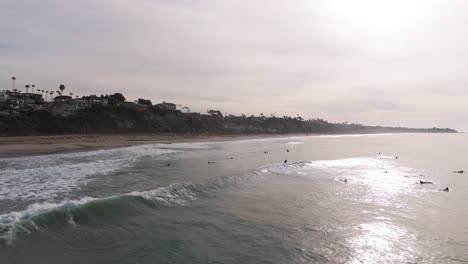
{"points": [[122, 118]]}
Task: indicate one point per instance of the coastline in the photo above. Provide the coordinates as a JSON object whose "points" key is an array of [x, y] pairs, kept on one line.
{"points": [[43, 145]]}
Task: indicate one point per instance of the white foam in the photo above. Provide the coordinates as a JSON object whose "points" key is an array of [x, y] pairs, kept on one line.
{"points": [[48, 176], [173, 194], [13, 222], [295, 143], [355, 135]]}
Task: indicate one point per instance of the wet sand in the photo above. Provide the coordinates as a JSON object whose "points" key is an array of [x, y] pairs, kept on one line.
{"points": [[39, 145]]}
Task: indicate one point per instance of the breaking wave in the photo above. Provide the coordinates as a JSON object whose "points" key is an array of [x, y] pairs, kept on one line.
{"points": [[42, 177]]}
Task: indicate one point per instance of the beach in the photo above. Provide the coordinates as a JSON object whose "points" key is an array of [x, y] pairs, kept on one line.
{"points": [[42, 145]]}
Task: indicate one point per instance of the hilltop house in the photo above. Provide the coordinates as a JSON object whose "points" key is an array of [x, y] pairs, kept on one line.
{"points": [[95, 100], [18, 100], [166, 106], [62, 98], [66, 105]]}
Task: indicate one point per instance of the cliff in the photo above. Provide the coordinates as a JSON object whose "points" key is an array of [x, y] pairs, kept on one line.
{"points": [[142, 119]]}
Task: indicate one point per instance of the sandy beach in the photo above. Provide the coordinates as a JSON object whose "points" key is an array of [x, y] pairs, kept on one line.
{"points": [[41, 145]]}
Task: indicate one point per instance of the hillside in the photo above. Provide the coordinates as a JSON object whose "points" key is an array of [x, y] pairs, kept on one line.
{"points": [[122, 119]]}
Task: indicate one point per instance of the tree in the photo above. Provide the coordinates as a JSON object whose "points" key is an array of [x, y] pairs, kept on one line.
{"points": [[13, 79], [61, 87], [215, 113], [116, 98], [27, 87], [33, 87]]}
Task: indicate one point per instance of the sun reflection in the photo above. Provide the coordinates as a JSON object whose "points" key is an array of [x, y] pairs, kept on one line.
{"points": [[380, 242]]}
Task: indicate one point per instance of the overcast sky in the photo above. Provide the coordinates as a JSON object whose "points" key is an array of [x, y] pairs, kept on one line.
{"points": [[399, 62]]}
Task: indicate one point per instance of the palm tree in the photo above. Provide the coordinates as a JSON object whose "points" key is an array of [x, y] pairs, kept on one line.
{"points": [[61, 87], [27, 87], [13, 79], [33, 88], [51, 94], [71, 94]]}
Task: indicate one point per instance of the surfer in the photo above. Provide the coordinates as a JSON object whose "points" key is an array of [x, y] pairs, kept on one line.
{"points": [[168, 164], [345, 180], [396, 157], [385, 171], [446, 189], [425, 182], [460, 171], [210, 162], [265, 152], [287, 150], [285, 161]]}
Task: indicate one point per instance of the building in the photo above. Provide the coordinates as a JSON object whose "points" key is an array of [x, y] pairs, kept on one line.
{"points": [[62, 98], [68, 107], [18, 100], [166, 106], [95, 100]]}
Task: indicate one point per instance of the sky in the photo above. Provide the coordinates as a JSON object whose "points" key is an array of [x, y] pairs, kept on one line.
{"points": [[376, 62]]}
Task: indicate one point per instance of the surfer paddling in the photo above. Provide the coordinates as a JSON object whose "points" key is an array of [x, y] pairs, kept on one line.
{"points": [[425, 182]]}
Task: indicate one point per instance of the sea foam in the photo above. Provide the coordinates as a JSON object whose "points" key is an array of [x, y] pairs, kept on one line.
{"points": [[48, 176], [24, 222]]}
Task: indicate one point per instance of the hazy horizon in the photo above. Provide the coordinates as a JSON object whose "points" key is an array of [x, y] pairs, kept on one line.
{"points": [[398, 63]]}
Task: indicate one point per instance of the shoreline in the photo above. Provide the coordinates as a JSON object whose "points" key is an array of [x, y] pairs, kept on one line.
{"points": [[23, 146]]}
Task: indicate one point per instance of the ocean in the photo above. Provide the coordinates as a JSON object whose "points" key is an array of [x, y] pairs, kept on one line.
{"points": [[307, 199]]}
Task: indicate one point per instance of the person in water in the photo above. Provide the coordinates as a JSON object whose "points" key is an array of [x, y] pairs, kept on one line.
{"points": [[460, 171], [346, 180], [446, 189], [285, 161], [287, 150], [425, 182]]}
